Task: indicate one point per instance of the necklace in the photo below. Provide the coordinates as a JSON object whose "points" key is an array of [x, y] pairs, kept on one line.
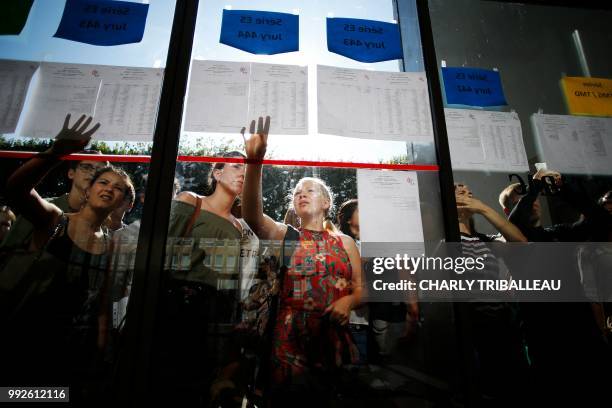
{"points": [[316, 235]]}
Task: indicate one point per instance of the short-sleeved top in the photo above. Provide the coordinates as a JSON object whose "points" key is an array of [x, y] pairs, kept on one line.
{"points": [[215, 253]]}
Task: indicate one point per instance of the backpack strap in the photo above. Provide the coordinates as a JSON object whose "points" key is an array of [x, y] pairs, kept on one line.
{"points": [[194, 217]]}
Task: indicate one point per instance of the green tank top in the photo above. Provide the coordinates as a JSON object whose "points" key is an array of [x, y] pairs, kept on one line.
{"points": [[210, 254]]}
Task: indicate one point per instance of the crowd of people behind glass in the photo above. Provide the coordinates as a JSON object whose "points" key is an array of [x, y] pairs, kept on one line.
{"points": [[255, 309]]}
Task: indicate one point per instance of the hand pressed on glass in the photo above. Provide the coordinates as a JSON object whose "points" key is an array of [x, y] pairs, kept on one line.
{"points": [[73, 139], [256, 145]]}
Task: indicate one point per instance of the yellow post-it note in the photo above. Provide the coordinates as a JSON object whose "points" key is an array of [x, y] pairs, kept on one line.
{"points": [[588, 96]]}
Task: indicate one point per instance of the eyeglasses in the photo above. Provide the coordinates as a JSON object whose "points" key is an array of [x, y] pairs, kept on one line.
{"points": [[88, 168]]}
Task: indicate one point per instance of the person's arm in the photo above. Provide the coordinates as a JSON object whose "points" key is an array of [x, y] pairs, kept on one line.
{"points": [[340, 310], [509, 231], [21, 184], [521, 214], [252, 205]]}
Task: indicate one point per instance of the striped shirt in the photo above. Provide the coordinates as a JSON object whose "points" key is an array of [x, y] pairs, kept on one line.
{"points": [[476, 246]]}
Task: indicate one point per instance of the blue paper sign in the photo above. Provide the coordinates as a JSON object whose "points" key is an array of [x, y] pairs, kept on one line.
{"points": [[260, 32], [473, 87], [364, 40], [103, 22]]}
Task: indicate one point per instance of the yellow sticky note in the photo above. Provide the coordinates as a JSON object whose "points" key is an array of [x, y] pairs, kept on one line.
{"points": [[588, 96]]}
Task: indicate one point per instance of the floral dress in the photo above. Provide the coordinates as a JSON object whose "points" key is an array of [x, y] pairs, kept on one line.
{"points": [[305, 339]]}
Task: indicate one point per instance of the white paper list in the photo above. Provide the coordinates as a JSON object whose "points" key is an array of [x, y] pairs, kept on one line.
{"points": [[340, 111], [217, 100], [280, 91], [389, 206], [60, 89], [15, 77], [485, 141], [574, 144], [373, 104], [224, 96], [465, 144], [128, 102]]}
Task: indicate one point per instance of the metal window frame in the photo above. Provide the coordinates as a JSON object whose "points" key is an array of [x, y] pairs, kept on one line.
{"points": [[464, 339], [131, 382]]}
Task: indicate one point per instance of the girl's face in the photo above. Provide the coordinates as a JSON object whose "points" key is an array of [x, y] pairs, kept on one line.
{"points": [[107, 191], [309, 199], [231, 177]]}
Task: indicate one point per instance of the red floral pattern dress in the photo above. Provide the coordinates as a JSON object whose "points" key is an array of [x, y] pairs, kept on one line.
{"points": [[304, 337]]}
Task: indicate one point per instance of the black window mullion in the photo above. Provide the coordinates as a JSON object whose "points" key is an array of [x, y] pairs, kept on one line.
{"points": [[132, 375], [447, 191]]}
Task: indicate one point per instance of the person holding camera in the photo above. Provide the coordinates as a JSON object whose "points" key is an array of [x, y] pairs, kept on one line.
{"points": [[526, 214]]}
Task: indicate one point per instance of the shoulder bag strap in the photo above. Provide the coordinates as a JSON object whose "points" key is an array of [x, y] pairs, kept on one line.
{"points": [[59, 229]]}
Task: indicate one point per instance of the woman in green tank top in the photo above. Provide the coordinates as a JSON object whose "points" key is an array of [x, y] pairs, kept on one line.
{"points": [[211, 262], [207, 241]]}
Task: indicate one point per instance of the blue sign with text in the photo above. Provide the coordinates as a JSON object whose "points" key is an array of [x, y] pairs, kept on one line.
{"points": [[473, 87], [103, 22], [364, 40], [260, 32]]}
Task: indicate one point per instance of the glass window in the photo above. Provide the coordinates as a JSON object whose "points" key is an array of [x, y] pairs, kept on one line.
{"points": [[548, 58], [68, 261], [228, 331]]}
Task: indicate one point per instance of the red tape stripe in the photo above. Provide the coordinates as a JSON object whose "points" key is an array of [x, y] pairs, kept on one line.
{"points": [[125, 158]]}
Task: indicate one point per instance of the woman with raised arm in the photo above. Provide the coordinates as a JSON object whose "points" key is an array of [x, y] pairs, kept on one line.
{"points": [[320, 287], [214, 217], [54, 329], [203, 294]]}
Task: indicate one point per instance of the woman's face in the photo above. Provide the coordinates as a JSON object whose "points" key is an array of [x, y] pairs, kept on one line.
{"points": [[231, 178], [309, 199], [107, 191]]}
